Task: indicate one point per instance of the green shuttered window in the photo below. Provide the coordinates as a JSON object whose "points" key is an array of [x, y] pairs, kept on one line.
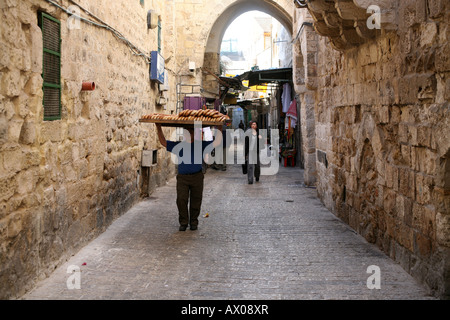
{"points": [[51, 68]]}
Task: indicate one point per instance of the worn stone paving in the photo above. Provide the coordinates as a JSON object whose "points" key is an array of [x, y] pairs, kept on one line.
{"points": [[272, 240]]}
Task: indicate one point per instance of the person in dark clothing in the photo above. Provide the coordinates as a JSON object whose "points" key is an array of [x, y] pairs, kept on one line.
{"points": [[222, 165], [190, 175], [253, 143]]}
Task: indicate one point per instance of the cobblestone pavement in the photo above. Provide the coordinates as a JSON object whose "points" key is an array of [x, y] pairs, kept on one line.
{"points": [[272, 240]]}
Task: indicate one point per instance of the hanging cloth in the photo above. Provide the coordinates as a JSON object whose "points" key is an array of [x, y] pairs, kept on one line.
{"points": [[291, 116], [292, 112], [286, 97]]}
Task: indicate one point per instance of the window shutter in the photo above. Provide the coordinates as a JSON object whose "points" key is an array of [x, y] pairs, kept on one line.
{"points": [[51, 69]]}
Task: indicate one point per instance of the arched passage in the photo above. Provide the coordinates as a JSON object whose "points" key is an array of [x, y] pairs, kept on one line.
{"points": [[276, 9]]}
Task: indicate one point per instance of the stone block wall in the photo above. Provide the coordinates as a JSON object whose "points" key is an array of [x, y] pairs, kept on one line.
{"points": [[305, 85], [375, 124], [63, 182], [382, 131]]}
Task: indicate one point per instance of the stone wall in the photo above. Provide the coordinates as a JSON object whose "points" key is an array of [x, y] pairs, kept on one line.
{"points": [[374, 120], [63, 182], [305, 85], [382, 131]]}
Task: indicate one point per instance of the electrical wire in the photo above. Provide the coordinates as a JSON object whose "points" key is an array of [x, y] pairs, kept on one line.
{"points": [[135, 50], [104, 23], [301, 3]]}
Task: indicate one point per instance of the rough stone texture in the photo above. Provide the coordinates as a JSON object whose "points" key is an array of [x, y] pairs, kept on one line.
{"points": [[305, 84], [382, 118], [63, 182], [349, 23], [272, 240], [374, 119]]}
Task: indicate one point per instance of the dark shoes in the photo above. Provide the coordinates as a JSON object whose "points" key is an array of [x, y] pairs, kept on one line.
{"points": [[183, 228], [217, 167]]}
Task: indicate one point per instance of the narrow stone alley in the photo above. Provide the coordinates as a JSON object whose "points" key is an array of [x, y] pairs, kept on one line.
{"points": [[273, 240]]}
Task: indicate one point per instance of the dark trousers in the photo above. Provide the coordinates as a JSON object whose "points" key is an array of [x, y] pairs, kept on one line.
{"points": [[189, 198], [253, 170]]}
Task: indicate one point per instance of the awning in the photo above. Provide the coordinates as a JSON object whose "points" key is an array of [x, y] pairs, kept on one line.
{"points": [[257, 77], [234, 83], [259, 104]]}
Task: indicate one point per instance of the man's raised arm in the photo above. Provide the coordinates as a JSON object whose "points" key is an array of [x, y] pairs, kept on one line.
{"points": [[218, 139], [161, 137]]}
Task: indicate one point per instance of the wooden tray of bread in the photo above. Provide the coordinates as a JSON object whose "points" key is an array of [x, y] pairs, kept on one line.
{"points": [[187, 118]]}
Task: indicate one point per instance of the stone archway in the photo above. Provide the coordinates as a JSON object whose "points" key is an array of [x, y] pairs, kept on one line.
{"points": [[280, 10]]}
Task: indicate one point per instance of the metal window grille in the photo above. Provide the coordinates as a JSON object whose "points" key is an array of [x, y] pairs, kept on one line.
{"points": [[51, 69]]}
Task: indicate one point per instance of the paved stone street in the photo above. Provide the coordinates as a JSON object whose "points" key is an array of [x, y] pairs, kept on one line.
{"points": [[270, 240]]}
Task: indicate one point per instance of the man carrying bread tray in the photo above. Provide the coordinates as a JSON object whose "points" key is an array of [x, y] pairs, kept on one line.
{"points": [[189, 153]]}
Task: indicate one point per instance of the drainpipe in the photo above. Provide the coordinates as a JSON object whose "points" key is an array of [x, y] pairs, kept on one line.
{"points": [[88, 86], [301, 29]]}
